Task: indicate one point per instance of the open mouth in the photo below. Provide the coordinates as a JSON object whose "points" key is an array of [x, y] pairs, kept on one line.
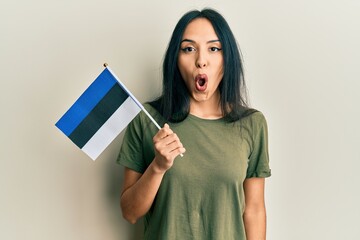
{"points": [[201, 81]]}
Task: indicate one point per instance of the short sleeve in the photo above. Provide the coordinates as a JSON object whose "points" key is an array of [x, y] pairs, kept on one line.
{"points": [[131, 154], [258, 165]]}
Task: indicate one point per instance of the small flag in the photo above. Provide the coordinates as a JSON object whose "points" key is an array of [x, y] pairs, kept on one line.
{"points": [[100, 114]]}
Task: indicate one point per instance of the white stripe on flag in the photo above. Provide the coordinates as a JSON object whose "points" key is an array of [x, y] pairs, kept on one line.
{"points": [[111, 128]]}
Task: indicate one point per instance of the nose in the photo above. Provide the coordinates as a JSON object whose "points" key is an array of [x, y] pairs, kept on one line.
{"points": [[201, 61]]}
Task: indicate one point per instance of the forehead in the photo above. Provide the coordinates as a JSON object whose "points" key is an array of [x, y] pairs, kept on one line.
{"points": [[200, 28]]}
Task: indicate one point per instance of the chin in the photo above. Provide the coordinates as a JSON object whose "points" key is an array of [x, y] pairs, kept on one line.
{"points": [[200, 97]]}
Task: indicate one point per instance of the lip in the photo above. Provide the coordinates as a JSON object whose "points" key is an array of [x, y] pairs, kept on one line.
{"points": [[201, 81]]}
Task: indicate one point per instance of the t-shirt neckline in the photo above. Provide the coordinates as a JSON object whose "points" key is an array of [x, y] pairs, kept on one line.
{"points": [[191, 116]]}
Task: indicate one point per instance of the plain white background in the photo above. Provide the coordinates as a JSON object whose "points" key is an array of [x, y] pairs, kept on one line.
{"points": [[302, 69]]}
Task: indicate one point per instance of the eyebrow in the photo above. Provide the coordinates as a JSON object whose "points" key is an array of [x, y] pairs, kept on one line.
{"points": [[192, 41]]}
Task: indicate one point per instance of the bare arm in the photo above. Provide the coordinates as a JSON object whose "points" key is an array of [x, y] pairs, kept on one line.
{"points": [[139, 190], [255, 212]]}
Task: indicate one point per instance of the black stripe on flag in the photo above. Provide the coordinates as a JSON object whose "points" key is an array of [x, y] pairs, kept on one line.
{"points": [[98, 116]]}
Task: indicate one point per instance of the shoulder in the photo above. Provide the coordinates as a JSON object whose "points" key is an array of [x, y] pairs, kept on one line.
{"points": [[152, 111], [255, 123], [148, 107], [144, 118], [141, 127], [255, 118]]}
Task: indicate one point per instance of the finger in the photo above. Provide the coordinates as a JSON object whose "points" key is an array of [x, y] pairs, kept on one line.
{"points": [[166, 129], [168, 144], [178, 151], [171, 139], [162, 133], [174, 144], [170, 154]]}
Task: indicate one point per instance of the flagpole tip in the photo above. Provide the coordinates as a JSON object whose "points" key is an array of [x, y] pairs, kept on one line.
{"points": [[105, 64]]}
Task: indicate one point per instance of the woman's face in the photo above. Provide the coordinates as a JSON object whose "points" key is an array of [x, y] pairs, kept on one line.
{"points": [[200, 60]]}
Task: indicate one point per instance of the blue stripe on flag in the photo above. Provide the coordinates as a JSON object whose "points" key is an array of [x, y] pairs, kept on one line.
{"points": [[86, 102]]}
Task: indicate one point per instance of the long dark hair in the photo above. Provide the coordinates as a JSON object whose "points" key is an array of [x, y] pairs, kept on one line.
{"points": [[174, 103]]}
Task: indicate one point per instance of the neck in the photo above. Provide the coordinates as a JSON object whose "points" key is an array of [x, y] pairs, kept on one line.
{"points": [[209, 109]]}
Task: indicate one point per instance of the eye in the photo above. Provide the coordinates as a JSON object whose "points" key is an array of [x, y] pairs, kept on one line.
{"points": [[215, 49], [188, 49]]}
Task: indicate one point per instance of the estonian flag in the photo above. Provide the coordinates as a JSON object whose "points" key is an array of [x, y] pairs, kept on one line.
{"points": [[100, 114]]}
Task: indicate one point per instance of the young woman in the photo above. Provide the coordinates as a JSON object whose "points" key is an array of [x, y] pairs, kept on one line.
{"points": [[216, 190]]}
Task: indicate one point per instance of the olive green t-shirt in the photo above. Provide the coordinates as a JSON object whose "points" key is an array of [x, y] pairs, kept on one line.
{"points": [[201, 196]]}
